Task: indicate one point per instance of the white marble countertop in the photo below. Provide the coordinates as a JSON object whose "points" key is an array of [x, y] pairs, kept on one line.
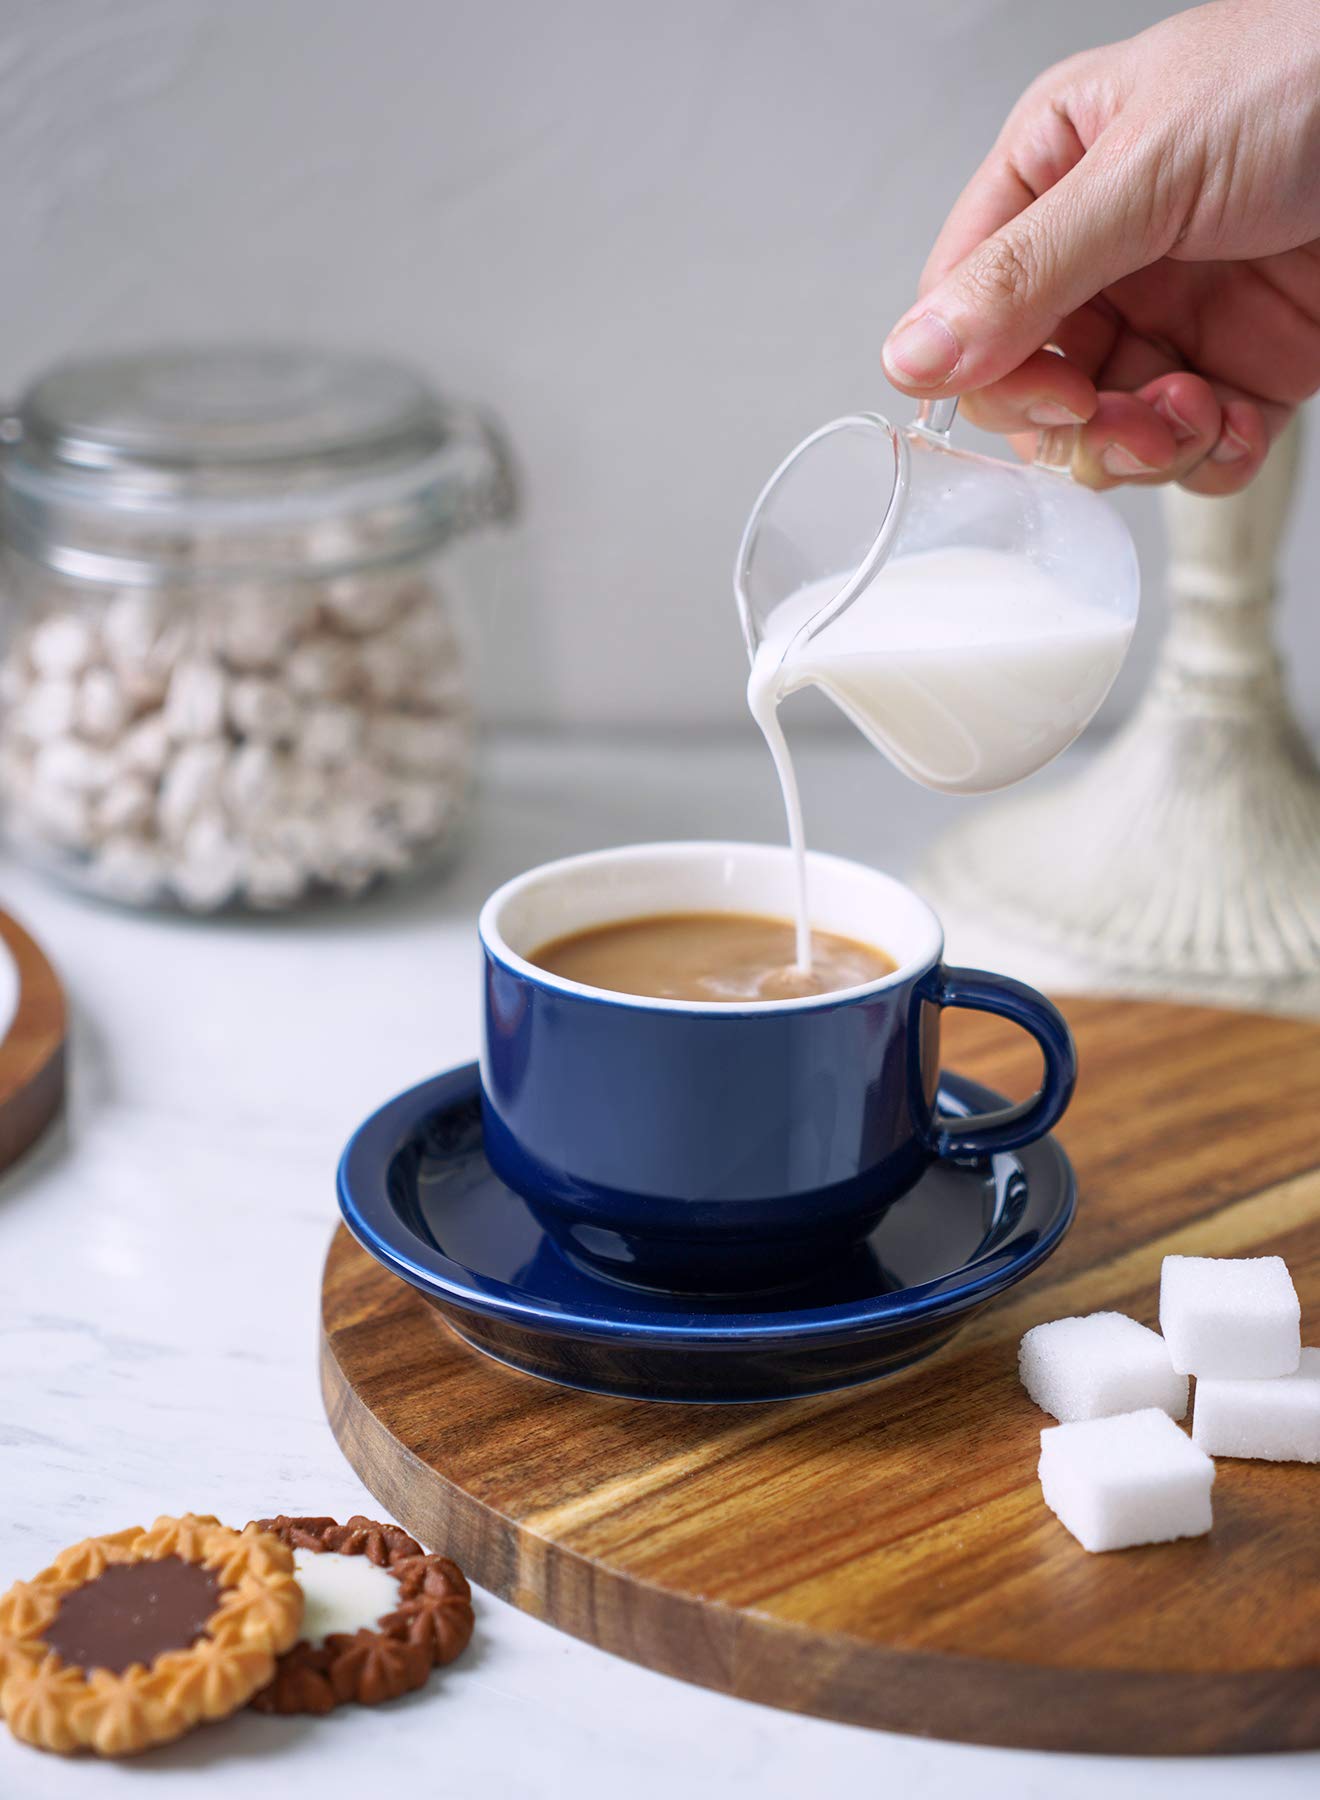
{"points": [[160, 1257]]}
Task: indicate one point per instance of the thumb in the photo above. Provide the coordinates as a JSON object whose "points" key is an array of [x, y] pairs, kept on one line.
{"points": [[1007, 296]]}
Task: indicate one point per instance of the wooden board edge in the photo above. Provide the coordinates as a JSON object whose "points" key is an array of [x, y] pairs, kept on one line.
{"points": [[753, 1657], [32, 1054]]}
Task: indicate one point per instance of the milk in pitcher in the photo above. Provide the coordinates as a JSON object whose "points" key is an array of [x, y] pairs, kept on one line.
{"points": [[969, 668]]}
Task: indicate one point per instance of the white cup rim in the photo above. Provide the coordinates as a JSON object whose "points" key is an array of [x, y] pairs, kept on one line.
{"points": [[501, 951]]}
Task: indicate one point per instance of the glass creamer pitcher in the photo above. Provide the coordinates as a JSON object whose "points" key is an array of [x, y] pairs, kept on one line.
{"points": [[968, 614]]}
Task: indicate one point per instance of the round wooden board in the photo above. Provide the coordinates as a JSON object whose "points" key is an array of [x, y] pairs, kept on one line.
{"points": [[883, 1555], [32, 1050]]}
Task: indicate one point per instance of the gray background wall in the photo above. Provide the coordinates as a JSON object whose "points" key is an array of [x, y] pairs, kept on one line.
{"points": [[665, 239]]}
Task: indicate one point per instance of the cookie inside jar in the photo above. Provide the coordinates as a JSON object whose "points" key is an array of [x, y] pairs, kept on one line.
{"points": [[233, 675]]}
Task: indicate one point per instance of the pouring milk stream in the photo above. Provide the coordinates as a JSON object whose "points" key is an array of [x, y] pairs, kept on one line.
{"points": [[969, 665]]}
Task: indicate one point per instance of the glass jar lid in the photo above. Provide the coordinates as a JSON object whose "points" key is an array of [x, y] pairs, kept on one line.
{"points": [[206, 463]]}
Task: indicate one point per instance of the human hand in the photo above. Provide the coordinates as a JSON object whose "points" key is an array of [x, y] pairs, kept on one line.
{"points": [[1151, 209]]}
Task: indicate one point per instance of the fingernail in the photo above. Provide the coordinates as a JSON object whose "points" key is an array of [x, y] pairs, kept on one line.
{"points": [[1054, 447], [1182, 431], [1230, 448], [1053, 412], [923, 353], [1115, 460]]}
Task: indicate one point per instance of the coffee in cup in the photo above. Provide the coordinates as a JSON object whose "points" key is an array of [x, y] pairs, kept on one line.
{"points": [[727, 958]]}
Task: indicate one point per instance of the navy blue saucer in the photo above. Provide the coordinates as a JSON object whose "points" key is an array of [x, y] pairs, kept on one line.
{"points": [[417, 1193]]}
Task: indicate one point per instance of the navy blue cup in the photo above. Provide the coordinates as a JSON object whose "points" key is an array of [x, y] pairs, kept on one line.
{"points": [[713, 1147]]}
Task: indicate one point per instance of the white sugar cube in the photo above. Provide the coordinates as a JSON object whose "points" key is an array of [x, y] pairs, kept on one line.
{"points": [[1099, 1364], [1132, 1479], [1230, 1318], [1277, 1420]]}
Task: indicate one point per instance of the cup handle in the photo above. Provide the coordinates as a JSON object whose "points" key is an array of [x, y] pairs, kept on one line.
{"points": [[1012, 1126]]}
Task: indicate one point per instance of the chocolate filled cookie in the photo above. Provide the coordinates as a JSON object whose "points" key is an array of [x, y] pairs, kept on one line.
{"points": [[131, 1639], [381, 1614]]}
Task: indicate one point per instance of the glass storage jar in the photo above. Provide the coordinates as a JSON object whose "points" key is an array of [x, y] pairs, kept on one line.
{"points": [[230, 670]]}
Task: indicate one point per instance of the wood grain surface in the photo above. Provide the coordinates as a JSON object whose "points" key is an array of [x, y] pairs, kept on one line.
{"points": [[883, 1555], [32, 1051]]}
